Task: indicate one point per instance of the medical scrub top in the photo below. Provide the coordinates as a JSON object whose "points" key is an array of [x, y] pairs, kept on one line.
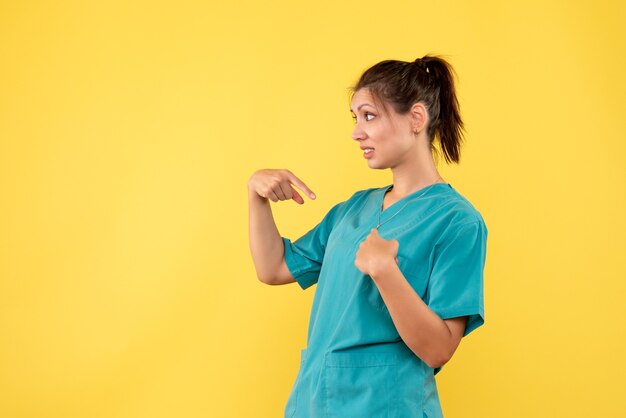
{"points": [[355, 363]]}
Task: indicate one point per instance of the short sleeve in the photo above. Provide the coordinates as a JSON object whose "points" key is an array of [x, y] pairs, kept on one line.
{"points": [[455, 287], [304, 256]]}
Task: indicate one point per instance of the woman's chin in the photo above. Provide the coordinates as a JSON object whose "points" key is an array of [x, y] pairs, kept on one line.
{"points": [[375, 165]]}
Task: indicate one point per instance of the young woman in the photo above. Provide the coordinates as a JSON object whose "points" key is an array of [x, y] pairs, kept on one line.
{"points": [[399, 268]]}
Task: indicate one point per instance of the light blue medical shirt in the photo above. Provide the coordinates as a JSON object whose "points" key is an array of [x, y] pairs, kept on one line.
{"points": [[355, 363]]}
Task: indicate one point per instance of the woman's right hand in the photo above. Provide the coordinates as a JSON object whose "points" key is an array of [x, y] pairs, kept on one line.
{"points": [[276, 185]]}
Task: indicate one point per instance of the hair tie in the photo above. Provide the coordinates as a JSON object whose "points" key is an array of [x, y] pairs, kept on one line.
{"points": [[421, 64]]}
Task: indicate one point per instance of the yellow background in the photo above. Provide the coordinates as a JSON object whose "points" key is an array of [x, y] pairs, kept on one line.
{"points": [[128, 132]]}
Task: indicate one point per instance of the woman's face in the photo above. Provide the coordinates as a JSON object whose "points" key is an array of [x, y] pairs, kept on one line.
{"points": [[390, 135]]}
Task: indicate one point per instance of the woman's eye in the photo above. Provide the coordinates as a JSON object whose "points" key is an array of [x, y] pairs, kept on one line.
{"points": [[366, 115]]}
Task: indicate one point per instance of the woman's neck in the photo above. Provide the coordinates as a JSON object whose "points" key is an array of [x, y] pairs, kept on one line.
{"points": [[414, 175]]}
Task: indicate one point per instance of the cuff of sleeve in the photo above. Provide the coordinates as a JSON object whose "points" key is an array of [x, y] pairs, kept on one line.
{"points": [[476, 316], [304, 278]]}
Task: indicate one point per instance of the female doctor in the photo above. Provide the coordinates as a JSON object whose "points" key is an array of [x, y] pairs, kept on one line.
{"points": [[398, 268]]}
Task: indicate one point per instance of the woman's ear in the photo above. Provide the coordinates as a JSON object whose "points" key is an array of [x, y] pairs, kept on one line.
{"points": [[419, 117]]}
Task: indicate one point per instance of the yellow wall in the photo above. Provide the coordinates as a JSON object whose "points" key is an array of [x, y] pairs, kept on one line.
{"points": [[128, 133]]}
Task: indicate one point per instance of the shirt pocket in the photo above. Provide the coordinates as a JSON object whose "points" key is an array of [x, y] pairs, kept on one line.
{"points": [[292, 402], [416, 274], [360, 384]]}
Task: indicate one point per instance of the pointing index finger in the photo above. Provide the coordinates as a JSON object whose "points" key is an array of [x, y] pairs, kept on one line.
{"points": [[300, 184]]}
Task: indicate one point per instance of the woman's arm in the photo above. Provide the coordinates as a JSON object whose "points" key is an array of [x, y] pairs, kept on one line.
{"points": [[431, 338], [266, 244]]}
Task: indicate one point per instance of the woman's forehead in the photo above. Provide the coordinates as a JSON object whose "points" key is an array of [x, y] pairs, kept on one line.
{"points": [[361, 98]]}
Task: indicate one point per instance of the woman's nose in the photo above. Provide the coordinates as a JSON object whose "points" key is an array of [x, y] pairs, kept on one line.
{"points": [[358, 133]]}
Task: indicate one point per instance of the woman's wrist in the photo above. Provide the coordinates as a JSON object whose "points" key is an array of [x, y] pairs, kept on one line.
{"points": [[384, 268]]}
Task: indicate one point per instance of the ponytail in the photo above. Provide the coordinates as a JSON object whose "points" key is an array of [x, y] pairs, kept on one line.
{"points": [[448, 127]]}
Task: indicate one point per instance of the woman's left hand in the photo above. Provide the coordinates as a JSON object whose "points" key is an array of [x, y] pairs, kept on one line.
{"points": [[375, 253]]}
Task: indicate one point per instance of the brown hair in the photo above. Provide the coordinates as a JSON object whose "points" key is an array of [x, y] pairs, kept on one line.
{"points": [[428, 80]]}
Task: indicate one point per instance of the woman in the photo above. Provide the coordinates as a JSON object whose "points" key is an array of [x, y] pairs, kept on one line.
{"points": [[399, 268]]}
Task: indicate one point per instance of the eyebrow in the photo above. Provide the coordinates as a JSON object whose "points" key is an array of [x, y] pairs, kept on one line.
{"points": [[364, 104]]}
